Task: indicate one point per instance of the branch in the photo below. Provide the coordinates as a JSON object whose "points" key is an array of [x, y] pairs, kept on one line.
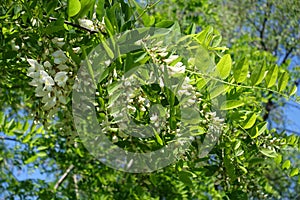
{"points": [[78, 26], [287, 55], [63, 177], [76, 186], [7, 138], [261, 34]]}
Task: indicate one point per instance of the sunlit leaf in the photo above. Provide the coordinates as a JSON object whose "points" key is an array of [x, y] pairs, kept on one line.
{"points": [[286, 164], [31, 159], [258, 74], [250, 121], [231, 104], [74, 7], [224, 66], [283, 81], [294, 172], [272, 76], [240, 71], [268, 152]]}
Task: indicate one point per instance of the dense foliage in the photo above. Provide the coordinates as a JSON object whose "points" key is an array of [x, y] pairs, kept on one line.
{"points": [[49, 61]]}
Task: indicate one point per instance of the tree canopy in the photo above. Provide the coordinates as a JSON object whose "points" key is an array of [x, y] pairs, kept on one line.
{"points": [[114, 99]]}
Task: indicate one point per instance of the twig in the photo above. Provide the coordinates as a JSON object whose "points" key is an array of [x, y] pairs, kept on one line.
{"points": [[63, 177], [77, 26], [237, 85], [148, 7], [7, 138], [76, 186], [287, 55]]}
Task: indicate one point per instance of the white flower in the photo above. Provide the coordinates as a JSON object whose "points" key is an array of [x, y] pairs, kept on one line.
{"points": [[76, 49], [131, 108], [154, 118], [47, 64], [62, 99], [35, 66], [163, 54], [39, 92], [44, 77], [61, 78], [48, 83], [34, 82], [86, 23], [161, 82], [59, 57], [58, 41], [62, 67], [170, 59], [143, 108], [179, 68], [107, 62], [141, 99], [50, 102], [14, 46]]}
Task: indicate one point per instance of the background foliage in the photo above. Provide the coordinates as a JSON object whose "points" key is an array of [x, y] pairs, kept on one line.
{"points": [[43, 46]]}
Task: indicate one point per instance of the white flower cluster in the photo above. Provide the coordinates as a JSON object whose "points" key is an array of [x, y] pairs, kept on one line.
{"points": [[86, 23], [187, 94], [50, 79]]}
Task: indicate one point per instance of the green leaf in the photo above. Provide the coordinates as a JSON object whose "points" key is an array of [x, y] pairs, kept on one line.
{"points": [[278, 159], [55, 26], [240, 71], [250, 121], [294, 172], [26, 126], [31, 159], [164, 24], [26, 138], [186, 177], [109, 27], [197, 130], [243, 169], [224, 66], [190, 115], [286, 164], [258, 130], [239, 152], [74, 7], [258, 74], [293, 90], [237, 144], [86, 6], [100, 11], [268, 152], [216, 40], [218, 90], [10, 125], [291, 140], [148, 20], [283, 81], [41, 154], [272, 76], [191, 29], [158, 139], [40, 148], [230, 169], [231, 104], [205, 36], [109, 52]]}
